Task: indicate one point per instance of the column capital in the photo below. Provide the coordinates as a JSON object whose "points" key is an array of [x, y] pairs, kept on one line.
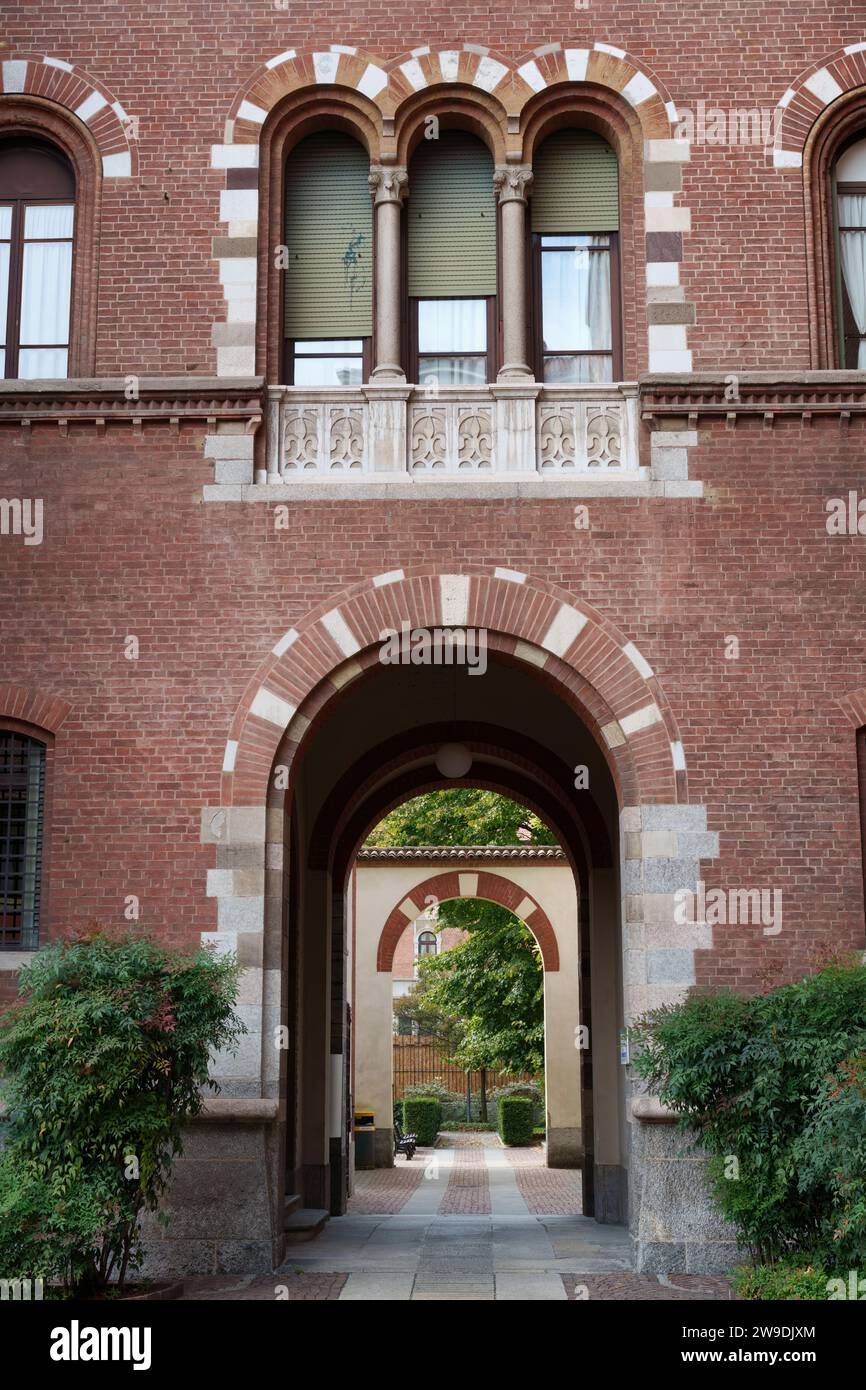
{"points": [[388, 185], [512, 182]]}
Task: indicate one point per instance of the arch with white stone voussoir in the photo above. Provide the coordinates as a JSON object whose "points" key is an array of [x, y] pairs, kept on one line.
{"points": [[287, 829]]}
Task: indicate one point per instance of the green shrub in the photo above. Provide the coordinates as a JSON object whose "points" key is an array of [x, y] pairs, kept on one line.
{"points": [[781, 1281], [515, 1120], [104, 1057], [773, 1087], [433, 1090], [422, 1116]]}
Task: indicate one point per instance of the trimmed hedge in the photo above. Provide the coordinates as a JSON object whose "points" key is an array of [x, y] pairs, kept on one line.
{"points": [[422, 1116], [515, 1120]]}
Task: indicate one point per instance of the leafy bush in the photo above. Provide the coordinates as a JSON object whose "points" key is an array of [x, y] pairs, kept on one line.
{"points": [[104, 1057], [781, 1281], [422, 1116], [433, 1090], [515, 1120], [772, 1087], [832, 1153]]}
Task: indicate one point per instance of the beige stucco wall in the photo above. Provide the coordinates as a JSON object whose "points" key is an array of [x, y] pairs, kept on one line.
{"points": [[381, 887]]}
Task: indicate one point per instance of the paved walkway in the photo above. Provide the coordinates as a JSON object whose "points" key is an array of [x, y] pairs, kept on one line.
{"points": [[467, 1221], [467, 1226]]}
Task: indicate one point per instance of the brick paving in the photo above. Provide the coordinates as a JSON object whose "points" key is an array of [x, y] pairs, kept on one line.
{"points": [[546, 1191], [647, 1288], [468, 1190], [299, 1286], [385, 1191]]}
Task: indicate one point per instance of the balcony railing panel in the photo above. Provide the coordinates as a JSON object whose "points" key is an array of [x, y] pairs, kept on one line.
{"points": [[503, 431]]}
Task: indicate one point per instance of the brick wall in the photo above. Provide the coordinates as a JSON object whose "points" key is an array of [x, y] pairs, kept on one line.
{"points": [[130, 549]]}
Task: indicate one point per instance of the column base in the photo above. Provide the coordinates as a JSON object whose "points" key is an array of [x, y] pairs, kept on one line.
{"points": [[565, 1148], [515, 371], [611, 1194], [388, 371]]}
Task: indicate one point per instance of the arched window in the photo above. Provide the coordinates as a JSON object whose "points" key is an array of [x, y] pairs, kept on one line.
{"points": [[451, 221], [574, 225], [849, 177], [426, 945], [328, 274], [22, 801], [37, 227]]}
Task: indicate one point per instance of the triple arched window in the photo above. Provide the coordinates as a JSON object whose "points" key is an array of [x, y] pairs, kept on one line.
{"points": [[450, 265]]}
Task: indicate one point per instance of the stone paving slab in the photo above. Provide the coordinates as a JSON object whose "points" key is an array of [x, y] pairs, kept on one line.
{"points": [[529, 1286], [364, 1286]]}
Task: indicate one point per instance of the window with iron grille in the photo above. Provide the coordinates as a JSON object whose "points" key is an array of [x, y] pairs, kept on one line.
{"points": [[22, 797]]}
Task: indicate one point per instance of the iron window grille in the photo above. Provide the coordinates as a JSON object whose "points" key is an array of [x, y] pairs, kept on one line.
{"points": [[22, 808]]}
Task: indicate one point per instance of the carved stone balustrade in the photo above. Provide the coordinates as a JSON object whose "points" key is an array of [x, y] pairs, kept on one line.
{"points": [[506, 429]]}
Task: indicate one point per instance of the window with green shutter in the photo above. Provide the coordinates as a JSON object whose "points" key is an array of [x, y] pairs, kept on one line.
{"points": [[575, 222], [328, 276], [451, 255]]}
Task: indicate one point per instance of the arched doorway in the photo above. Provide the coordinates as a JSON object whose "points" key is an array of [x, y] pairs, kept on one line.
{"points": [[535, 886], [567, 718]]}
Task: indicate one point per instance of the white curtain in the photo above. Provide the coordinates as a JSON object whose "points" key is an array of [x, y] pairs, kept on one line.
{"points": [[576, 295], [452, 325], [4, 287], [852, 213], [46, 283]]}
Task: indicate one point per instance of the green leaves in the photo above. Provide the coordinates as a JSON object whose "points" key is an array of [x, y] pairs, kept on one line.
{"points": [[458, 816], [491, 987], [776, 1082], [105, 1056]]}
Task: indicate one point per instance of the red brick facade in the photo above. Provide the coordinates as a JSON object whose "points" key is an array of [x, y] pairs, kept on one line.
{"points": [[131, 549]]}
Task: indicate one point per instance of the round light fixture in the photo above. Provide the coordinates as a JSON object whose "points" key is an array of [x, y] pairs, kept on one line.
{"points": [[453, 760]]}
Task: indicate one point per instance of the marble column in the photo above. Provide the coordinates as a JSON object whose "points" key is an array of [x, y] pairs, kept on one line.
{"points": [[512, 184], [388, 188]]}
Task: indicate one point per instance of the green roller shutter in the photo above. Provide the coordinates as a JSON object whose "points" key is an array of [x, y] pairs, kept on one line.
{"points": [[452, 218], [329, 235], [575, 188]]}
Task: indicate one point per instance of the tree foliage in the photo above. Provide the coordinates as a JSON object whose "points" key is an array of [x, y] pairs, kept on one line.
{"points": [[104, 1058], [458, 816], [491, 985], [484, 997], [773, 1087]]}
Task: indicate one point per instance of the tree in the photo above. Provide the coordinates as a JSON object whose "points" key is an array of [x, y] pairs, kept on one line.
{"points": [[493, 982], [459, 816], [486, 995]]}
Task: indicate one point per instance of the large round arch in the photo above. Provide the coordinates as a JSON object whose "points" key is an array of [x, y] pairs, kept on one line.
{"points": [[328, 736]]}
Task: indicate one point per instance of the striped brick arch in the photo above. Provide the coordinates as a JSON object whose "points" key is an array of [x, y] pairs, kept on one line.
{"points": [[56, 80], [570, 645], [389, 84], [816, 88], [466, 883], [378, 94]]}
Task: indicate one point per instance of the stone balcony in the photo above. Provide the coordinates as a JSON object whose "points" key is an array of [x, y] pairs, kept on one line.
{"points": [[398, 433]]}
